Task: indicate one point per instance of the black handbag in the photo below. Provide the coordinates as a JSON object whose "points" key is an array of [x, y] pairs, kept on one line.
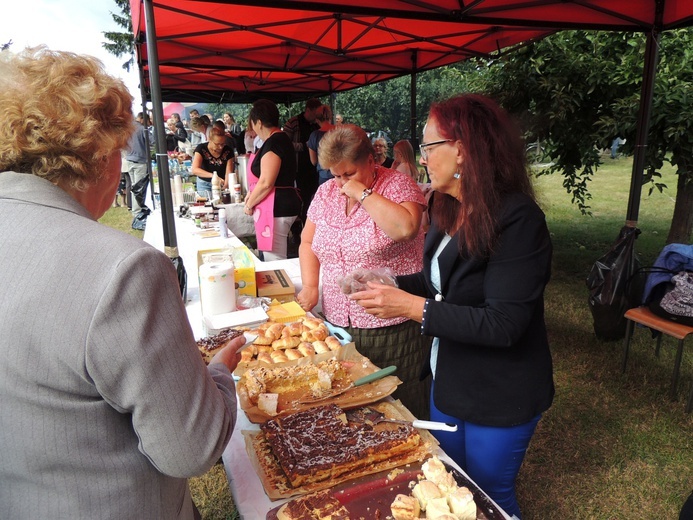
{"points": [[676, 301]]}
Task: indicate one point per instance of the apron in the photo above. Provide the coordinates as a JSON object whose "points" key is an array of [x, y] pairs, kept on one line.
{"points": [[263, 213]]}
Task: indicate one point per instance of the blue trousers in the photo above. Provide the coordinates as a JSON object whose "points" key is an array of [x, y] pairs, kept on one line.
{"points": [[491, 456]]}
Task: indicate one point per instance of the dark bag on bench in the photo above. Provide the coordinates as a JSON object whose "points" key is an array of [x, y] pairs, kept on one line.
{"points": [[674, 300]]}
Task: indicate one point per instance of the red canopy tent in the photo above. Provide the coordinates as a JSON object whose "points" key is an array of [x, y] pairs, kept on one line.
{"points": [[223, 51]]}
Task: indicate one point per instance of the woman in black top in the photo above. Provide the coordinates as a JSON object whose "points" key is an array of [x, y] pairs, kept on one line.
{"points": [[212, 156], [275, 168], [487, 260]]}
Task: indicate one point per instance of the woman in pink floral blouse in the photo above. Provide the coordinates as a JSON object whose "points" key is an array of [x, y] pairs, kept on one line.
{"points": [[366, 217]]}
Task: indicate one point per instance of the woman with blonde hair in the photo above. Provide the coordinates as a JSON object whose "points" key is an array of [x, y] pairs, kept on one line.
{"points": [[405, 161], [107, 407]]}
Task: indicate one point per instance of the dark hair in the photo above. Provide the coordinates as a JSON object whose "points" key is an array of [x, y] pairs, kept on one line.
{"points": [[494, 166], [264, 111], [313, 103], [216, 132], [220, 125]]}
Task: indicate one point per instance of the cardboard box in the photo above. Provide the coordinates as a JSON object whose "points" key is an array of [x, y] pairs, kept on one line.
{"points": [[276, 285], [244, 267]]}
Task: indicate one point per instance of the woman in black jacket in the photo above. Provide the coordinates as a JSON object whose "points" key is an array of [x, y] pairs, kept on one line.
{"points": [[487, 260]]}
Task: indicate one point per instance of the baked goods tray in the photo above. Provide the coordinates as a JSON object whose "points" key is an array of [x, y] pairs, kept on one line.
{"points": [[356, 365], [276, 485], [371, 496]]}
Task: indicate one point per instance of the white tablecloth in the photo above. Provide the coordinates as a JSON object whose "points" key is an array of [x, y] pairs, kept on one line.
{"points": [[248, 495]]}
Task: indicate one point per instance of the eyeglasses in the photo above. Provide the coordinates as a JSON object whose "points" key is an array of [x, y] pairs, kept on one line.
{"points": [[424, 146]]}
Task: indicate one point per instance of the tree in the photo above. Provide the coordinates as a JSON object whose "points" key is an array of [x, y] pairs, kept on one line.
{"points": [[577, 90], [122, 43]]}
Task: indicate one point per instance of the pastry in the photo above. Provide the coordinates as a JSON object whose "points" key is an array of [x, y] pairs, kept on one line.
{"points": [[292, 354], [434, 470], [267, 403], [333, 343], [264, 357], [306, 349], [278, 356], [437, 507], [425, 491], [462, 505], [281, 380], [319, 443], [316, 506], [211, 345], [282, 343], [320, 347], [405, 507]]}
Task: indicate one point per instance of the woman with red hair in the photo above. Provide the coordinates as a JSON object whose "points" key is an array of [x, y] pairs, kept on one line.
{"points": [[487, 260]]}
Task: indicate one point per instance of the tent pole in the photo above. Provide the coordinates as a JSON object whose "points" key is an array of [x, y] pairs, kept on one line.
{"points": [[649, 72], [169, 226], [412, 107]]}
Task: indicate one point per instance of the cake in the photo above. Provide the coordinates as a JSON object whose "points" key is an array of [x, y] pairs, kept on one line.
{"points": [[405, 507], [316, 506], [211, 345], [318, 444], [291, 379]]}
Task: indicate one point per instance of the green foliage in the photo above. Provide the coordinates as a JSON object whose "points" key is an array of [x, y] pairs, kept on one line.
{"points": [[578, 90], [121, 43]]}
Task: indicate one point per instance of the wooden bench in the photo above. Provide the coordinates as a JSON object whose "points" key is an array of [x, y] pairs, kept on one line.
{"points": [[643, 316]]}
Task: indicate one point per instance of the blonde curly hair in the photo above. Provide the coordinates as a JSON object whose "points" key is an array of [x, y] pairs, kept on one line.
{"points": [[62, 116]]}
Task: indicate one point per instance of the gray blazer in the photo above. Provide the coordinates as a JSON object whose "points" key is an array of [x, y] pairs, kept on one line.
{"points": [[106, 406]]}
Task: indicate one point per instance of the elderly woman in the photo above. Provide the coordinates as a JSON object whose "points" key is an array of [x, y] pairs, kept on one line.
{"points": [[481, 293], [273, 175], [107, 406], [367, 217], [381, 158]]}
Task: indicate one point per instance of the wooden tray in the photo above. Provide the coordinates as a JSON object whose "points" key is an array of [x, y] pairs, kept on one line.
{"points": [[277, 486]]}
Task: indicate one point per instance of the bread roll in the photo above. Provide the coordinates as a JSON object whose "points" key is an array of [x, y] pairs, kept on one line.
{"points": [[312, 323], [290, 342], [316, 334], [295, 328], [333, 343], [306, 349], [278, 356], [264, 357], [292, 353], [263, 339], [320, 347], [275, 330], [405, 507]]}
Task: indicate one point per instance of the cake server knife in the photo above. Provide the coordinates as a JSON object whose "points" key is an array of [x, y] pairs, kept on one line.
{"points": [[424, 425], [378, 374]]}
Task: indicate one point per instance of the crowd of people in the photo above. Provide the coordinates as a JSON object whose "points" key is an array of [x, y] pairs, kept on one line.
{"points": [[127, 409]]}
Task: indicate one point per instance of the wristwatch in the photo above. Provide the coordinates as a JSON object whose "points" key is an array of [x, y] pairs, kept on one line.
{"points": [[365, 194]]}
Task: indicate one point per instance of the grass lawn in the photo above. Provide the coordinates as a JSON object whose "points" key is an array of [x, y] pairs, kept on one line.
{"points": [[612, 446]]}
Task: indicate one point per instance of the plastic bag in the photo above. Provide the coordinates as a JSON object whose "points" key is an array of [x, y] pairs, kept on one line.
{"points": [[250, 302], [611, 292], [358, 279]]}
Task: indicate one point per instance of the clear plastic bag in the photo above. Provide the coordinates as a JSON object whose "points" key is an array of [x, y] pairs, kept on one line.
{"points": [[249, 302], [358, 279]]}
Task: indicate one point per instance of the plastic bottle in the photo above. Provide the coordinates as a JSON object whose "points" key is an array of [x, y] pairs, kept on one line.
{"points": [[223, 228], [216, 186]]}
